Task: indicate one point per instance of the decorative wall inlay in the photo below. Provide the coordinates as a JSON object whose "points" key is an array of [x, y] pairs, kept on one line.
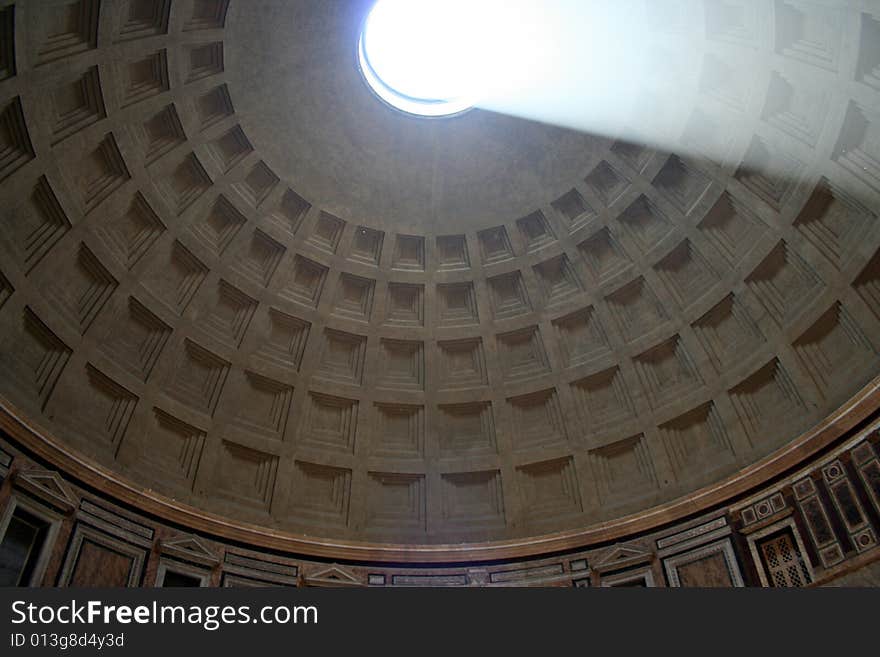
{"points": [[712, 565]]}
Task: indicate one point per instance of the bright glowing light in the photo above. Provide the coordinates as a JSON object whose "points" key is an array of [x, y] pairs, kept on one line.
{"points": [[433, 57], [617, 69]]}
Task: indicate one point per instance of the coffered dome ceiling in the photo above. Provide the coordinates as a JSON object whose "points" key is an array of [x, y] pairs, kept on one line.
{"points": [[321, 126], [234, 277]]}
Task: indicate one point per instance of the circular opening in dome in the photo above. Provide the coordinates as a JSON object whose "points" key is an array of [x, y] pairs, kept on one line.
{"points": [[415, 55]]}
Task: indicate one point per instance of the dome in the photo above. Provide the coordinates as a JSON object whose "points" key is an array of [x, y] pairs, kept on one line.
{"points": [[241, 293]]}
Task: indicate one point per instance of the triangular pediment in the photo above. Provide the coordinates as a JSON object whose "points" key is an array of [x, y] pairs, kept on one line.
{"points": [[622, 555], [189, 548], [49, 486], [331, 576]]}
